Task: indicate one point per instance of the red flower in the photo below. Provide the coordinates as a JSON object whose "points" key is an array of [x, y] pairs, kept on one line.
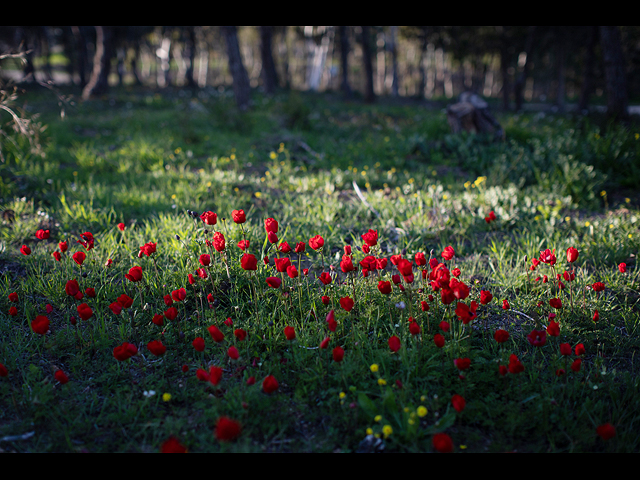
{"points": [[124, 352], [233, 353], [63, 246], [464, 313], [215, 375], [13, 311], [346, 303], [537, 338], [158, 319], [289, 332], [394, 343], [85, 311], [325, 343], [580, 349], [485, 297], [501, 336], [42, 234], [240, 334], [205, 260], [565, 349], [25, 250], [249, 262], [243, 245], [414, 328], [90, 292], [502, 370], [121, 227], [346, 264], [156, 347], [271, 225], [171, 313], [444, 326], [218, 241], [86, 240], [446, 296], [238, 216], [116, 308], [424, 306], [572, 254], [458, 402], [172, 445], [370, 238], [3, 371], [555, 303], [575, 366], [215, 333], [134, 275], [448, 253], [325, 300], [274, 282], [553, 329], [40, 324], [515, 366], [270, 384], [622, 267], [148, 249], [179, 294], [79, 257], [300, 247], [13, 297], [338, 354], [284, 247], [442, 443], [462, 363], [282, 264], [505, 305], [596, 316], [61, 377], [606, 431], [420, 259], [598, 286], [227, 429], [292, 271], [202, 375], [108, 263], [125, 300], [325, 278], [198, 344], [57, 255], [209, 218], [272, 237], [316, 242]]}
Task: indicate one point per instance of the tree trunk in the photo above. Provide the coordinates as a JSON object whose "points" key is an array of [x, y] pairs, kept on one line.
{"points": [[615, 75], [190, 54], [589, 61], [344, 61], [518, 88], [99, 81], [269, 73], [393, 46], [241, 87], [369, 94]]}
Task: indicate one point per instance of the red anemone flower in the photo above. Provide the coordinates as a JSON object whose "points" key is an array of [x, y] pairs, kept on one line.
{"points": [[156, 347], [238, 216], [40, 324], [227, 429], [134, 275], [316, 242], [270, 384], [274, 282]]}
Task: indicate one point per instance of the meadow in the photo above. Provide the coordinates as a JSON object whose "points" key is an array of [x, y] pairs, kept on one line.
{"points": [[314, 275]]}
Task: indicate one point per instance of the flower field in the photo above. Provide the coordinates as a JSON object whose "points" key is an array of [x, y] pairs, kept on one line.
{"points": [[190, 282]]}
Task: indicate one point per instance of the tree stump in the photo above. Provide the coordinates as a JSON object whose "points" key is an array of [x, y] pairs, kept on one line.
{"points": [[471, 114]]}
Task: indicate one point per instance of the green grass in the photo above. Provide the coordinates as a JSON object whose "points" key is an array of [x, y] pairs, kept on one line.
{"points": [[146, 159]]}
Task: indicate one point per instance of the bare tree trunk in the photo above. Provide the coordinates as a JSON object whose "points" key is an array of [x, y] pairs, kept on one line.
{"points": [[369, 94], [518, 88], [99, 81], [190, 54], [269, 73], [589, 61], [344, 61], [82, 57], [393, 47], [615, 75], [241, 87]]}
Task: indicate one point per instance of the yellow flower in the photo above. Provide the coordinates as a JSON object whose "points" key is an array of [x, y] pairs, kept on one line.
{"points": [[166, 397], [177, 150], [232, 156], [463, 447], [272, 155], [342, 395], [377, 418], [567, 219], [374, 367], [587, 223], [627, 200], [382, 382], [369, 431], [258, 194], [422, 411], [387, 430], [603, 193]]}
